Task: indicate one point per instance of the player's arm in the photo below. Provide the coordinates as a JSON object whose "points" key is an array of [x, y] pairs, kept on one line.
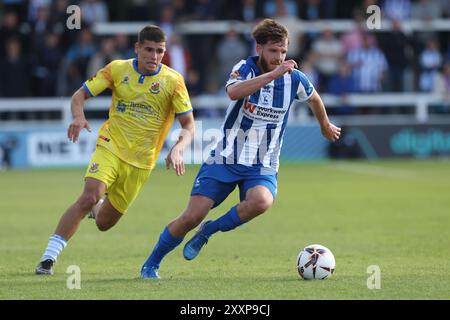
{"points": [[79, 121], [175, 157], [242, 89], [329, 130]]}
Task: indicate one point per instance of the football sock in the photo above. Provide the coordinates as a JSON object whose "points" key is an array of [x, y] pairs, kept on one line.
{"points": [[166, 243], [227, 222], [56, 244]]}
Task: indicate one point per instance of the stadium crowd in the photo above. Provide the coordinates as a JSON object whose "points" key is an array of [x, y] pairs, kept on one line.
{"points": [[44, 58]]}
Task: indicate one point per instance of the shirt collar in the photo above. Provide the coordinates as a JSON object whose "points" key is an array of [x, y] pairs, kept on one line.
{"points": [[135, 66], [251, 61]]}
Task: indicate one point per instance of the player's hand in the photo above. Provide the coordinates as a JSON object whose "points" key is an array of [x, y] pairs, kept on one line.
{"points": [[175, 160], [331, 132], [75, 128], [286, 66]]}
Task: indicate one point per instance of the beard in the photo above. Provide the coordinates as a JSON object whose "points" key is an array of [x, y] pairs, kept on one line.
{"points": [[265, 65]]}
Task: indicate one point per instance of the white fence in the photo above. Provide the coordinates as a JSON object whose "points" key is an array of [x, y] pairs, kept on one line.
{"points": [[295, 25], [420, 103]]}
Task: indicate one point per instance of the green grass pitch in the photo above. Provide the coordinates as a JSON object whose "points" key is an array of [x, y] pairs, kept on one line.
{"points": [[393, 214]]}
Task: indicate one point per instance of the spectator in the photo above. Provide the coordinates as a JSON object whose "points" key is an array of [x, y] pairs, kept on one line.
{"points": [[276, 8], [11, 29], [179, 10], [33, 8], [58, 15], [395, 45], [93, 11], [167, 23], [397, 9], [250, 11], [430, 62], [368, 65], [41, 27], [445, 8], [14, 69], [140, 10], [353, 39], [341, 85], [106, 54], [204, 10], [328, 51], [123, 48], [286, 14], [80, 53], [230, 51], [426, 10], [193, 83], [311, 10], [58, 18], [177, 56], [442, 87], [47, 62], [307, 67]]}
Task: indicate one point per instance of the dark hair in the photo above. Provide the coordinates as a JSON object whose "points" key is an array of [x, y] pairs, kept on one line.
{"points": [[151, 33], [269, 30]]}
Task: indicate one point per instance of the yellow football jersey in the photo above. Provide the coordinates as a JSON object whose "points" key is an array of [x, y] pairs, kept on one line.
{"points": [[142, 109]]}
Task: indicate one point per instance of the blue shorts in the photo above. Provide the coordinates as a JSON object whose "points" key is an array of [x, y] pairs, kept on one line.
{"points": [[217, 181]]}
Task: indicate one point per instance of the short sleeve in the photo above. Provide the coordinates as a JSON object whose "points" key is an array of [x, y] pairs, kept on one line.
{"points": [[305, 87], [102, 80], [181, 102], [239, 73]]}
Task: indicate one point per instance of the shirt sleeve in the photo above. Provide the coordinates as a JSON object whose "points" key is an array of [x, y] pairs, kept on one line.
{"points": [[239, 73], [181, 102], [98, 83], [305, 88]]}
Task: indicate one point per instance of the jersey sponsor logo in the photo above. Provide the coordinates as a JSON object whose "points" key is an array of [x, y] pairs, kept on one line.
{"points": [[154, 88], [94, 167], [121, 106], [267, 114], [250, 107]]}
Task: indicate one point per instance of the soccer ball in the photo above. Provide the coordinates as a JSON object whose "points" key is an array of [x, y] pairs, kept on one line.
{"points": [[315, 262]]}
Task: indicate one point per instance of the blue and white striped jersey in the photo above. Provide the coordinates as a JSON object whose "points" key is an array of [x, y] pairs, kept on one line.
{"points": [[252, 133]]}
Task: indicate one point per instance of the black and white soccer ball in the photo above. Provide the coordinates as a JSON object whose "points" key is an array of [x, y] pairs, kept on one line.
{"points": [[315, 262]]}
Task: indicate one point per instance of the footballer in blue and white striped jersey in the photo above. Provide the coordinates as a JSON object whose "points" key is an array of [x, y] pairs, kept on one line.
{"points": [[252, 133], [262, 90]]}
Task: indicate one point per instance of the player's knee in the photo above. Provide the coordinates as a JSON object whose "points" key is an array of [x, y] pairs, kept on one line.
{"points": [[260, 204], [190, 220]]}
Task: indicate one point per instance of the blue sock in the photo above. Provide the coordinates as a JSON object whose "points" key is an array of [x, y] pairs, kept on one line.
{"points": [[227, 222], [166, 243]]}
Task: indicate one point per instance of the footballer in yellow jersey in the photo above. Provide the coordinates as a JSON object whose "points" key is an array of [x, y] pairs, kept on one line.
{"points": [[142, 109], [146, 97]]}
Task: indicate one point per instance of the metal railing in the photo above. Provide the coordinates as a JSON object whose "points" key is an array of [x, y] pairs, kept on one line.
{"points": [[418, 101]]}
